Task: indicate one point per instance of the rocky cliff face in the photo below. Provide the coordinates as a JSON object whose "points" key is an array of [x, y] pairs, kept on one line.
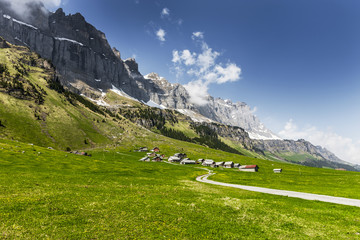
{"points": [[223, 111], [300, 146], [80, 52], [236, 114]]}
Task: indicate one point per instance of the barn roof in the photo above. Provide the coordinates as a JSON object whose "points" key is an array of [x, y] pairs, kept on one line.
{"points": [[188, 161], [248, 166]]}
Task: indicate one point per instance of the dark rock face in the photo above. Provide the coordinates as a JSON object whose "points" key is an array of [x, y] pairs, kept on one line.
{"points": [[236, 134], [3, 43], [79, 51]]}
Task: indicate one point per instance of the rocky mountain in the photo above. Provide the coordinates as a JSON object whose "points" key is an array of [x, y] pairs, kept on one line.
{"points": [[237, 114], [310, 155], [86, 64]]}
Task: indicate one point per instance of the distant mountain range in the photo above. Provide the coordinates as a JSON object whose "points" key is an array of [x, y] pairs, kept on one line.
{"points": [[86, 64]]}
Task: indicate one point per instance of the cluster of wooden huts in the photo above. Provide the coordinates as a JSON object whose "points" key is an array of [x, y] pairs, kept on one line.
{"points": [[154, 156]]}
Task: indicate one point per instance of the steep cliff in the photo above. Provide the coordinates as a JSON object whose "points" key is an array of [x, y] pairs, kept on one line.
{"points": [[81, 53]]}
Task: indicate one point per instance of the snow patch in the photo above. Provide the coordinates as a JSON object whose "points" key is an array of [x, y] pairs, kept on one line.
{"points": [[19, 22], [263, 136], [69, 40], [196, 117], [121, 93], [99, 102], [153, 104]]}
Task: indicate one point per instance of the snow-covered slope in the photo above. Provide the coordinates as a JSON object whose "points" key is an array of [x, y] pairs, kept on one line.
{"points": [[237, 114]]}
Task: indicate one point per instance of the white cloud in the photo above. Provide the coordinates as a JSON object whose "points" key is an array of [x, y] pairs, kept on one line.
{"points": [[345, 148], [196, 35], [186, 56], [204, 67], [165, 12], [21, 7], [197, 91], [207, 58], [230, 73], [161, 35]]}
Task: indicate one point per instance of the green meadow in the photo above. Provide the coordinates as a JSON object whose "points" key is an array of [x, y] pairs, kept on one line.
{"points": [[49, 194]]}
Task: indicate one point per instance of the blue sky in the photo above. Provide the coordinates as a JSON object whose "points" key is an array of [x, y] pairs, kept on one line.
{"points": [[299, 60]]}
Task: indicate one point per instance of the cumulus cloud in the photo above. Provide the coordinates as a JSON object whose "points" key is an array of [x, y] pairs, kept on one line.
{"points": [[161, 34], [165, 12], [21, 7], [197, 35], [204, 68], [345, 148], [198, 91], [186, 56]]}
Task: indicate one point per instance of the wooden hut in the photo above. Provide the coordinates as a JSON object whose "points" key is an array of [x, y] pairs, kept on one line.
{"points": [[219, 164], [208, 162], [249, 168], [155, 149], [144, 159], [187, 161], [157, 159], [228, 164], [201, 160], [174, 159]]}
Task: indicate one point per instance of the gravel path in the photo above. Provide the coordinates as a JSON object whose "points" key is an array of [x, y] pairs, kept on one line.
{"points": [[307, 196]]}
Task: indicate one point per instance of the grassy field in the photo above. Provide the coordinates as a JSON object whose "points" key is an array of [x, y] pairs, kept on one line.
{"points": [[295, 178], [48, 194]]}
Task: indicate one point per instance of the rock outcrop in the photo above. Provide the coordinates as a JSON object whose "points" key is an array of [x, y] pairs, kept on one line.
{"points": [[300, 146]]}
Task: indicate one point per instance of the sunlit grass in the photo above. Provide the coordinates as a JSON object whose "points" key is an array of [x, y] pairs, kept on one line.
{"points": [[112, 195]]}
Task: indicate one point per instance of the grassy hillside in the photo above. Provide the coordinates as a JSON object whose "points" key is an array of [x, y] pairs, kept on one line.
{"points": [[51, 194], [34, 108]]}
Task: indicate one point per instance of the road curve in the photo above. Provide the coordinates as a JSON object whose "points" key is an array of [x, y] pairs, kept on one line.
{"points": [[307, 196]]}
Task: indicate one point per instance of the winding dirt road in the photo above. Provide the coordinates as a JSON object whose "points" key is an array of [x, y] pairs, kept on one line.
{"points": [[307, 196]]}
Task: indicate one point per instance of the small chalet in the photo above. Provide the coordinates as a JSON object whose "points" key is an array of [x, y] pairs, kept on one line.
{"points": [[187, 161], [219, 164], [228, 165], [236, 165], [208, 162], [157, 159], [277, 170], [201, 160], [143, 149], [174, 159], [151, 154], [155, 149], [145, 159], [180, 155], [249, 168]]}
